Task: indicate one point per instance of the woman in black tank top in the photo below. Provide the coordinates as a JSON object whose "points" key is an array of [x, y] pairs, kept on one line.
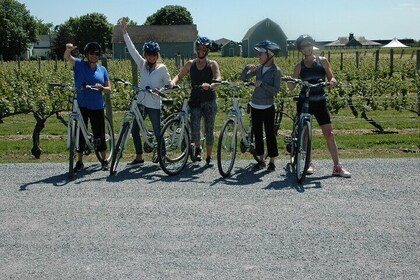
{"points": [[311, 69], [202, 101]]}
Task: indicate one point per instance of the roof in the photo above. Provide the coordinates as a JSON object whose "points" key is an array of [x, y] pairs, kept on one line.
{"points": [[157, 33], [395, 44], [355, 41], [252, 29], [222, 41]]}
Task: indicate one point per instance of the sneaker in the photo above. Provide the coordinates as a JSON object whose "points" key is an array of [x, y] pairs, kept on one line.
{"points": [[79, 166], [105, 165], [136, 162], [311, 169], [271, 166], [259, 165], [209, 162], [197, 156], [338, 170]]}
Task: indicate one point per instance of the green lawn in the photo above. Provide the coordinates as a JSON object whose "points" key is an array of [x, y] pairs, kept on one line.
{"points": [[355, 137]]}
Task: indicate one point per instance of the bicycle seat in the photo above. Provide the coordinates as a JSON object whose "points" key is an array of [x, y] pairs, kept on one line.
{"points": [[296, 98]]}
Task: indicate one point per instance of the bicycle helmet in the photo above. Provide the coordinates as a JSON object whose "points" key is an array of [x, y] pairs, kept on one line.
{"points": [[92, 47], [304, 38], [151, 47], [203, 41], [267, 46]]}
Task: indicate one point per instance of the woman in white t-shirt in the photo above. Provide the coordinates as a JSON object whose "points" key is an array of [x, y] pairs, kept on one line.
{"points": [[154, 75]]}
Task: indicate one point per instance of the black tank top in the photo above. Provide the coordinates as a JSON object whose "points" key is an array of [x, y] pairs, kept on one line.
{"points": [[313, 75], [197, 78]]}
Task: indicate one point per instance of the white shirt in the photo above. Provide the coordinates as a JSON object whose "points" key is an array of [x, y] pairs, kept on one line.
{"points": [[157, 78]]}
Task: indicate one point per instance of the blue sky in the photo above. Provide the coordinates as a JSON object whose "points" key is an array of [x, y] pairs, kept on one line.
{"points": [[231, 19]]}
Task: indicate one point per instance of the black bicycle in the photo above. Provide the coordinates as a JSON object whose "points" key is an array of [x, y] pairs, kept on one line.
{"points": [[299, 143]]}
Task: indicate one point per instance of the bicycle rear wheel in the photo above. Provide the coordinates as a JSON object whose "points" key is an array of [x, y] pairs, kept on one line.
{"points": [[109, 140], [303, 158], [72, 146], [173, 147], [119, 148], [226, 148]]}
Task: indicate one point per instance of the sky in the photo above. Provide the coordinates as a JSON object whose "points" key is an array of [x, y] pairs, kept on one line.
{"points": [[324, 20]]}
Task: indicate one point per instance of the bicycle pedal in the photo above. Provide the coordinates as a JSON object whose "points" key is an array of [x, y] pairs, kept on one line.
{"points": [[287, 139]]}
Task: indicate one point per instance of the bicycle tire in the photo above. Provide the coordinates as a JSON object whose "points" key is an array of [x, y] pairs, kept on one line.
{"points": [[119, 148], [109, 140], [72, 147], [303, 151], [226, 148], [173, 147]]}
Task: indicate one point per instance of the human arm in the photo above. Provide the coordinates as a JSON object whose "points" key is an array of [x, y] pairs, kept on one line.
{"points": [[184, 71], [248, 72], [138, 59], [296, 73], [67, 54], [328, 72]]}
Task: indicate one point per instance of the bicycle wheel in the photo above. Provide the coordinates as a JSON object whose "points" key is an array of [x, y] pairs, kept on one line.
{"points": [[173, 147], [252, 147], [109, 140], [119, 148], [226, 148], [72, 146], [303, 151]]}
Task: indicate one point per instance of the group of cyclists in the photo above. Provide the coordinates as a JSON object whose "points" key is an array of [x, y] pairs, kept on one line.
{"points": [[203, 99]]}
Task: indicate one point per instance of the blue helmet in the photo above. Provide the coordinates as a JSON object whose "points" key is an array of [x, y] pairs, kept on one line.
{"points": [[268, 47], [151, 47], [203, 41]]}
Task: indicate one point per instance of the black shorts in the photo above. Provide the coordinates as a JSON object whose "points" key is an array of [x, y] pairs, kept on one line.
{"points": [[317, 108]]}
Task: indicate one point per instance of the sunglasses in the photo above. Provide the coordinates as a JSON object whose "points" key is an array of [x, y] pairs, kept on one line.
{"points": [[151, 53], [202, 49], [307, 45], [95, 53]]}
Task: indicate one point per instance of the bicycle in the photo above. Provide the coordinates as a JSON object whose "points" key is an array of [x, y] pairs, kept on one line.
{"points": [[234, 124], [134, 114], [299, 143], [77, 126], [175, 145]]}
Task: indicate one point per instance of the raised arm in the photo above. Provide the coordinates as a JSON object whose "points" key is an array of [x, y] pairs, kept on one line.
{"points": [[67, 54], [130, 46]]}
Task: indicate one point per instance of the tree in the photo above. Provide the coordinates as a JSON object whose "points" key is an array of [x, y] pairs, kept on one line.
{"points": [[129, 21], [170, 15], [17, 29], [81, 30], [43, 28]]}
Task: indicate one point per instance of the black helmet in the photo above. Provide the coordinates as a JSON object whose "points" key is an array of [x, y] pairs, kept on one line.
{"points": [[267, 46], [203, 41], [92, 47], [303, 38]]}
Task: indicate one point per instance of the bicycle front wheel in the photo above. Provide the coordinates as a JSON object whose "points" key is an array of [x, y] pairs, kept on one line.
{"points": [[109, 140], [72, 146], [226, 148], [119, 148], [173, 147], [303, 158]]}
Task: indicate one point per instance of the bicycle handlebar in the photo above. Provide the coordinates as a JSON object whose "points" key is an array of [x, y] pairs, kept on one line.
{"points": [[161, 92], [305, 83], [72, 88]]}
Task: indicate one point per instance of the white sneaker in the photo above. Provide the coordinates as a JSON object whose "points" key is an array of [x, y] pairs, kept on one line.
{"points": [[311, 169], [338, 170]]}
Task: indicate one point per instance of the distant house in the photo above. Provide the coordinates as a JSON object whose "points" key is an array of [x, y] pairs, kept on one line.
{"points": [[352, 42], [263, 30], [231, 48], [43, 47], [173, 39]]}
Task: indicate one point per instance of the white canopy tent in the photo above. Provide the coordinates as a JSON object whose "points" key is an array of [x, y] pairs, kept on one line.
{"points": [[395, 44]]}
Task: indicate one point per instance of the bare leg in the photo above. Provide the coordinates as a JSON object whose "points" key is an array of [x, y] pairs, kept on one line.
{"points": [[327, 131]]}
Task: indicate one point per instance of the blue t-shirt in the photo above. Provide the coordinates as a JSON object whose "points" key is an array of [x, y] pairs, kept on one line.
{"points": [[84, 75]]}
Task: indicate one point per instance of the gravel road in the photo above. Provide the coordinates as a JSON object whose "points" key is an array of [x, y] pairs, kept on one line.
{"points": [[142, 224]]}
